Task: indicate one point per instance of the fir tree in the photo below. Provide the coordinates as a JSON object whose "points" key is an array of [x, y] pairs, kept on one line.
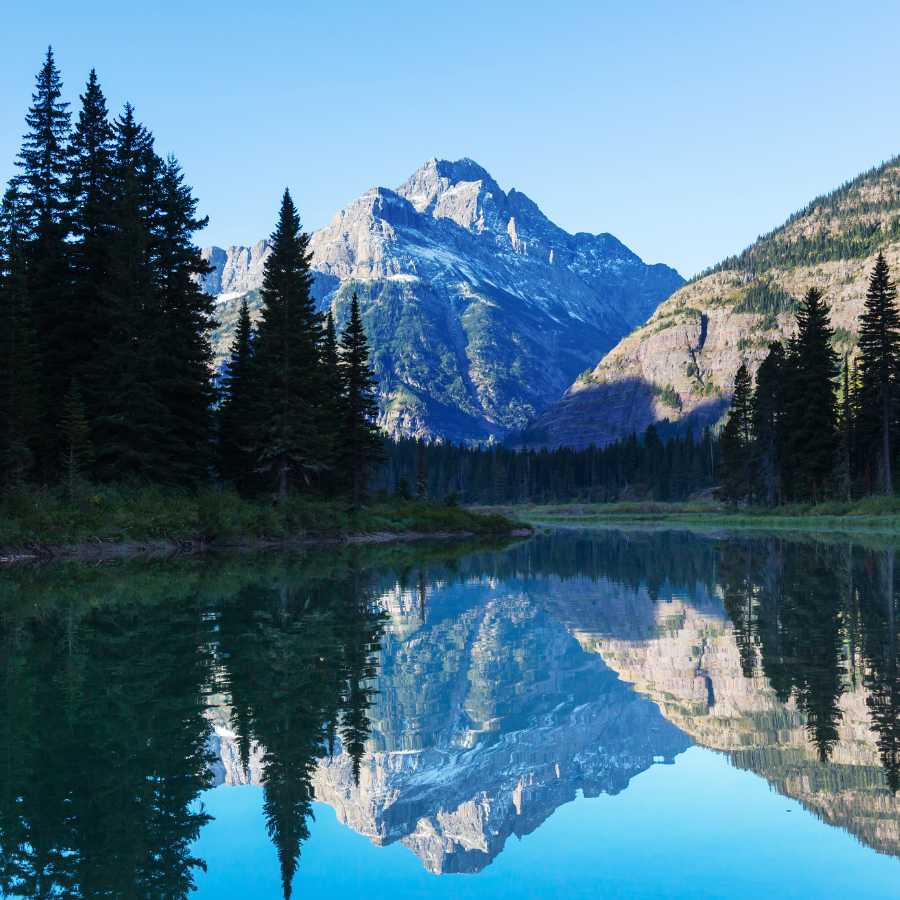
{"points": [[129, 421], [769, 427], [879, 356], [235, 431], [183, 318], [422, 477], [20, 406], [332, 402], [812, 367], [88, 195], [41, 185], [361, 441], [288, 443], [736, 468], [77, 454]]}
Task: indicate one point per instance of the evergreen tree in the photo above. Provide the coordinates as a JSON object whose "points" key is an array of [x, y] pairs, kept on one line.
{"points": [[422, 478], [879, 355], [813, 440], [768, 423], [332, 403], [88, 196], [235, 431], [361, 441], [130, 424], [41, 185], [20, 406], [77, 452], [183, 317], [288, 443], [736, 469]]}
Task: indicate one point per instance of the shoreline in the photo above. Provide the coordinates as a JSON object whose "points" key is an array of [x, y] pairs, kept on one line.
{"points": [[172, 546], [858, 520]]}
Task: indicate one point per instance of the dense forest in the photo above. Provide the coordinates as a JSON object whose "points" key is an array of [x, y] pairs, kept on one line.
{"points": [[105, 359], [815, 427], [634, 468]]}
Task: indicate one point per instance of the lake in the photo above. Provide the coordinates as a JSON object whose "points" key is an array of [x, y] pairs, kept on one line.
{"points": [[590, 712]]}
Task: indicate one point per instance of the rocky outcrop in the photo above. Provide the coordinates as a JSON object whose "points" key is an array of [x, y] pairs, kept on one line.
{"points": [[479, 309], [680, 364]]}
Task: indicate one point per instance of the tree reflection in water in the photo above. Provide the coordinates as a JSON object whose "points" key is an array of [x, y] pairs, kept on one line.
{"points": [[107, 674]]}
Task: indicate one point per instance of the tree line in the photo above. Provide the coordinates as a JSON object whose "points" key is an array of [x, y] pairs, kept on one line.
{"points": [[814, 427], [105, 360], [632, 468]]}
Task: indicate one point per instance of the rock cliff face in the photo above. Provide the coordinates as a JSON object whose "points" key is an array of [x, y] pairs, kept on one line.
{"points": [[489, 717], [681, 652], [680, 364], [480, 310]]}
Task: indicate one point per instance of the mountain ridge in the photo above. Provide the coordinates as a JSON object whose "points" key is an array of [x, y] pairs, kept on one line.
{"points": [[680, 364], [479, 309]]}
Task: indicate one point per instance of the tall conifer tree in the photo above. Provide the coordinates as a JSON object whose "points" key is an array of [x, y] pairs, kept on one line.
{"points": [[130, 422], [183, 319], [736, 469], [879, 355], [769, 425], [812, 367], [20, 406], [361, 441], [41, 184], [288, 366], [88, 192], [236, 410]]}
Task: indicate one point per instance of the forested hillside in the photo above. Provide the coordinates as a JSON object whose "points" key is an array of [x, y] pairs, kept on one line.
{"points": [[680, 365]]}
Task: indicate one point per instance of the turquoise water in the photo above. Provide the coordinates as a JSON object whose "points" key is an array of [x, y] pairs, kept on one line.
{"points": [[585, 713], [697, 828]]}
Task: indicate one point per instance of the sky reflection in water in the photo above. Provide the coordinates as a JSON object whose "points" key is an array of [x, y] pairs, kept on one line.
{"points": [[495, 714]]}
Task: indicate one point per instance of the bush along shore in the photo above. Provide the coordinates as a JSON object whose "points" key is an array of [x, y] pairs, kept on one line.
{"points": [[116, 521]]}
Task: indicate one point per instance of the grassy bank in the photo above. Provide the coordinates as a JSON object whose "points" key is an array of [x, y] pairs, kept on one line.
{"points": [[882, 513], [146, 514]]}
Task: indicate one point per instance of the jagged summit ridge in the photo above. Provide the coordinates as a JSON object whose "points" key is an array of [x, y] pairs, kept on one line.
{"points": [[479, 308]]}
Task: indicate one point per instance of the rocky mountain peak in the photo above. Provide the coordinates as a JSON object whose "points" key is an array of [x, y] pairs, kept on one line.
{"points": [[479, 308]]}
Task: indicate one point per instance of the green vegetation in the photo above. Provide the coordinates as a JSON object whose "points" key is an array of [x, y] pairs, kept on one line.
{"points": [[801, 435], [765, 297], [853, 222], [867, 514], [673, 469], [135, 514], [668, 395]]}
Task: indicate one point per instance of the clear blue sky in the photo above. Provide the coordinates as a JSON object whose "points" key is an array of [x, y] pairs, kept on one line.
{"points": [[685, 129]]}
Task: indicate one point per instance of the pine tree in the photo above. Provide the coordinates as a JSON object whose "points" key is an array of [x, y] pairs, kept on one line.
{"points": [[332, 403], [129, 418], [89, 200], [288, 444], [77, 454], [812, 367], [361, 442], [235, 432], [20, 400], [183, 317], [736, 468], [769, 401], [41, 185], [879, 360]]}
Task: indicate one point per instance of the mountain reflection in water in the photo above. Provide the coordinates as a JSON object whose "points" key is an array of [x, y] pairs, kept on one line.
{"points": [[445, 697]]}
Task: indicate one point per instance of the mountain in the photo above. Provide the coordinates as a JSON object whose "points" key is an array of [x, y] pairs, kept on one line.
{"points": [[680, 364], [479, 309]]}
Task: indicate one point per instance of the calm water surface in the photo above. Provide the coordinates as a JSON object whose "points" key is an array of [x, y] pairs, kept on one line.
{"points": [[587, 713]]}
